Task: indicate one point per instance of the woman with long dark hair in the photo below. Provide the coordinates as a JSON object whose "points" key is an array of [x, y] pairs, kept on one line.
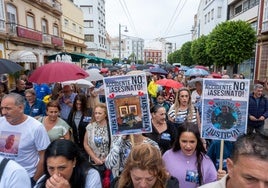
{"points": [[78, 119], [64, 166], [187, 160]]}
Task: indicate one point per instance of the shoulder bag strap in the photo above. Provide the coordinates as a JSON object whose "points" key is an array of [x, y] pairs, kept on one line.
{"points": [[2, 166]]}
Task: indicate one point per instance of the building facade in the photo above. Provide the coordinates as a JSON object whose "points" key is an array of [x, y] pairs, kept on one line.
{"points": [[30, 31], [213, 12], [94, 26], [261, 67], [131, 48], [152, 56], [72, 27]]}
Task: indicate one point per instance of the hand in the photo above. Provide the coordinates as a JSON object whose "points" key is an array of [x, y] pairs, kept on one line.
{"points": [[98, 161], [262, 118], [57, 181], [221, 174], [252, 118]]}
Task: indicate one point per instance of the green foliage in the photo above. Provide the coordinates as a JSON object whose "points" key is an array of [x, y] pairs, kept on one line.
{"points": [[185, 54], [174, 57], [198, 52], [231, 42], [115, 60]]}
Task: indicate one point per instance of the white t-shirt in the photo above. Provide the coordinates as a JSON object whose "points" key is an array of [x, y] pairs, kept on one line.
{"points": [[30, 137], [14, 176]]}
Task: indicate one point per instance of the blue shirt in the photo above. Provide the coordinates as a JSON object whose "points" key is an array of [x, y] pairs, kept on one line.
{"points": [[38, 108], [41, 90]]}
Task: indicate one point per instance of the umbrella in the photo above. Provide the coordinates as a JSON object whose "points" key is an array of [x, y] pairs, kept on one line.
{"points": [[184, 68], [215, 75], [142, 67], [138, 72], [196, 72], [169, 83], [57, 72], [191, 83], [201, 67], [7, 66], [157, 70], [94, 75], [80, 83]]}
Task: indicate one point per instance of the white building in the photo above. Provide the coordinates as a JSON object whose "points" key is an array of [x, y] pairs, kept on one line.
{"points": [[210, 13], [131, 47], [94, 26]]}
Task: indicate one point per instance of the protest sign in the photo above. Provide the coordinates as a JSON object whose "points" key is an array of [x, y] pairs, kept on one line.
{"points": [[224, 108], [128, 104]]}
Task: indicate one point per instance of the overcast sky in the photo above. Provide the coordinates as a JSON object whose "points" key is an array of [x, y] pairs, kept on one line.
{"points": [[150, 19]]}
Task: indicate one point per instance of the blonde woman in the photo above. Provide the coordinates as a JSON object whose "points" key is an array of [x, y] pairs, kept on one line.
{"points": [[97, 138], [183, 110], [145, 168]]}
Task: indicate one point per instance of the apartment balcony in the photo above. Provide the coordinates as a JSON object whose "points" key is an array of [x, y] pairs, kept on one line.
{"points": [[21, 34], [46, 39], [57, 8], [57, 41], [47, 3]]}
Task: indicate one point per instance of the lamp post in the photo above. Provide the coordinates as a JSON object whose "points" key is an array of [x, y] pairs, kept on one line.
{"points": [[120, 39]]}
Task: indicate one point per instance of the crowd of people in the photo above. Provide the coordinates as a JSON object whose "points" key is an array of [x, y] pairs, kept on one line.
{"points": [[59, 136]]}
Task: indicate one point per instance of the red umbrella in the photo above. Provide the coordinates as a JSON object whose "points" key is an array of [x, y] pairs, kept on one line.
{"points": [[215, 75], [201, 67], [57, 72], [169, 83]]}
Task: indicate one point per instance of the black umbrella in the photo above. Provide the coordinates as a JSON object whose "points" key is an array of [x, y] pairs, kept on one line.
{"points": [[9, 67], [158, 70]]}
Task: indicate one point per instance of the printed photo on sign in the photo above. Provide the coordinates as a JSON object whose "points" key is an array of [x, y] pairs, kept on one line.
{"points": [[224, 108], [9, 143], [128, 104]]}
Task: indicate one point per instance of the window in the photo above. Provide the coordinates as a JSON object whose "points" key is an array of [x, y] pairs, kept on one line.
{"points": [[66, 23], [205, 19], [11, 18], [30, 20], [219, 12], [212, 14], [55, 30], [88, 24], [246, 5], [238, 9], [208, 16], [74, 27], [80, 30], [90, 9], [89, 38], [44, 26]]}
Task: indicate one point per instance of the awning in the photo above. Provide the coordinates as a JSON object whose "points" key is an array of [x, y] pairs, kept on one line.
{"points": [[76, 57], [23, 56]]}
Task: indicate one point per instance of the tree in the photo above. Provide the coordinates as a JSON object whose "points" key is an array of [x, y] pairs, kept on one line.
{"points": [[186, 58], [199, 53], [174, 57], [231, 43]]}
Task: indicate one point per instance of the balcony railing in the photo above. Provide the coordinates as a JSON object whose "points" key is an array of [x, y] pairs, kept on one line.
{"points": [[23, 32], [48, 2]]}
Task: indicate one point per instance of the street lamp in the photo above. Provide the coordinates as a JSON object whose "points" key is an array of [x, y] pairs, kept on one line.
{"points": [[120, 39]]}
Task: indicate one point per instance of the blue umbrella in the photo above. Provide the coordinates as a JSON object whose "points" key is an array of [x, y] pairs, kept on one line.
{"points": [[184, 68], [196, 72], [157, 70]]}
